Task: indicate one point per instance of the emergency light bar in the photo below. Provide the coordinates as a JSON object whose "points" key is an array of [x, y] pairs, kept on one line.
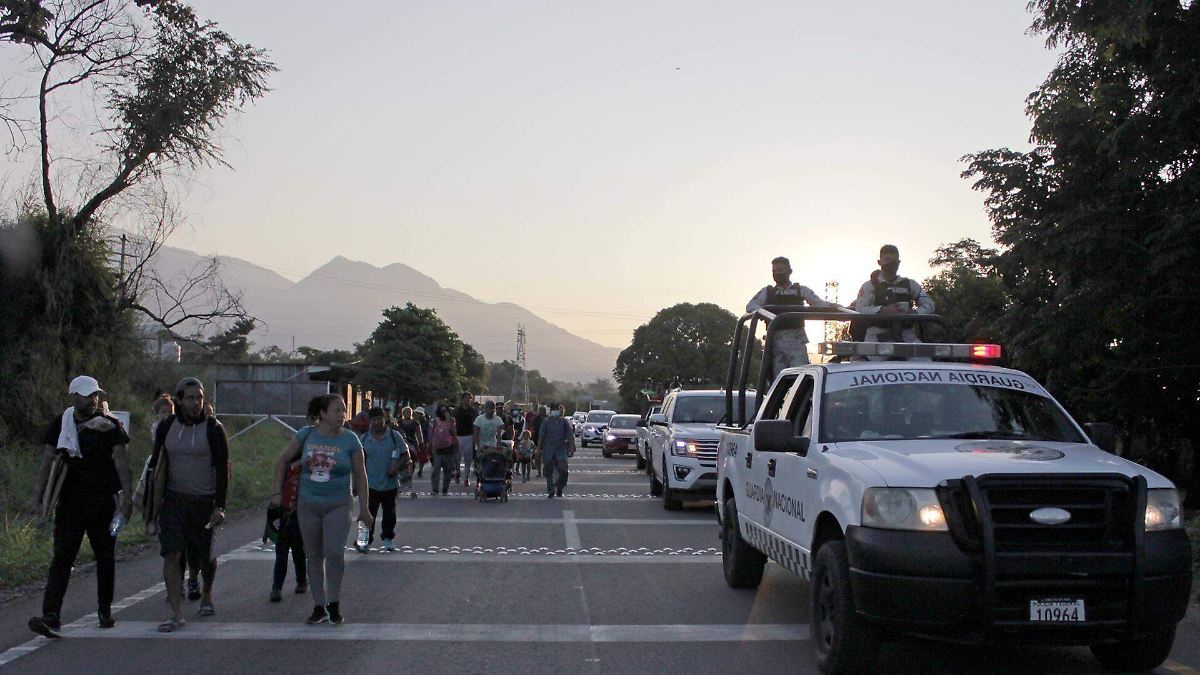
{"points": [[931, 350]]}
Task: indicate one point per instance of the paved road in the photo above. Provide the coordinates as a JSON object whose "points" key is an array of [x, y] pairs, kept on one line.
{"points": [[603, 581]]}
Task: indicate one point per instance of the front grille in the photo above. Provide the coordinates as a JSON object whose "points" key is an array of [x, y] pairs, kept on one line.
{"points": [[706, 450], [1101, 513]]}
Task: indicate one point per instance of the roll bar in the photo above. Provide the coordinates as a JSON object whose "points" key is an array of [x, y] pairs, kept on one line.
{"points": [[781, 317]]}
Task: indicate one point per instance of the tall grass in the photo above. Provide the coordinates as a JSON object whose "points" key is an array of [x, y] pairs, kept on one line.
{"points": [[26, 543]]}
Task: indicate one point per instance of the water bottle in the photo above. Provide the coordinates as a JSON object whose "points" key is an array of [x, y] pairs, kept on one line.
{"points": [[364, 535], [118, 522]]}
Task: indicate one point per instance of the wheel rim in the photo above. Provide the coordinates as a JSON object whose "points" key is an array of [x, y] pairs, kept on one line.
{"points": [[825, 611]]}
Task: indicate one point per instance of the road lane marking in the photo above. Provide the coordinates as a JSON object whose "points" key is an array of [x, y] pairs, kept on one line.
{"points": [[571, 529], [83, 622], [706, 522], [450, 632]]}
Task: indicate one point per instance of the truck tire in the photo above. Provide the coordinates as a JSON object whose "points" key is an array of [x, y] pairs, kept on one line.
{"points": [[843, 641], [656, 488], [742, 562], [670, 501], [1143, 654]]}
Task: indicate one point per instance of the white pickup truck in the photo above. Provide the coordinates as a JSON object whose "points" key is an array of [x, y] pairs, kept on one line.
{"points": [[953, 500]]}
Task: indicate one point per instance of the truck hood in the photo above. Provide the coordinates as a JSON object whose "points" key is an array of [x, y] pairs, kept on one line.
{"points": [[924, 463], [700, 432]]}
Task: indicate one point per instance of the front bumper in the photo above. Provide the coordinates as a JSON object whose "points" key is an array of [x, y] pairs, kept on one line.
{"points": [[689, 477], [923, 583], [621, 444]]}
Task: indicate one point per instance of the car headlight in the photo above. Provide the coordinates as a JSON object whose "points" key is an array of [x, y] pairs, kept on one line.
{"points": [[903, 509], [610, 437], [1163, 510], [683, 448]]}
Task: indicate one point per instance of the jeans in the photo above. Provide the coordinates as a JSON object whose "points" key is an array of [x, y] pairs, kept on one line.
{"points": [[289, 541], [551, 461], [387, 499], [72, 519], [466, 456], [324, 526], [446, 463]]}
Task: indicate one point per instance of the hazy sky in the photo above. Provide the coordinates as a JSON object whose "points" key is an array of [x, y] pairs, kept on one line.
{"points": [[599, 161]]}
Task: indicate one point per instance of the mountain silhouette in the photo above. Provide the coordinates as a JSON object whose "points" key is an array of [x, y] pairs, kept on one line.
{"points": [[340, 303]]}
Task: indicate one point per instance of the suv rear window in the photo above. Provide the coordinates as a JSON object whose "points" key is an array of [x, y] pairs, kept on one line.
{"points": [[599, 417]]}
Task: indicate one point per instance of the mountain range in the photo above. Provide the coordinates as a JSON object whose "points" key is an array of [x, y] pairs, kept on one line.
{"points": [[340, 303]]}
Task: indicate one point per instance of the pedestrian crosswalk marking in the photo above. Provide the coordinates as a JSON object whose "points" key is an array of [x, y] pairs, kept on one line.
{"points": [[452, 632]]}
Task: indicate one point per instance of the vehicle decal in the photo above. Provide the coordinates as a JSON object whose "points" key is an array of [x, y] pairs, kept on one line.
{"points": [[852, 380], [772, 500], [790, 556], [1014, 449]]}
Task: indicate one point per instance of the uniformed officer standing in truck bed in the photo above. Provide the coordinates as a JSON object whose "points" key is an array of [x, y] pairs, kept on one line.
{"points": [[791, 345], [886, 292]]}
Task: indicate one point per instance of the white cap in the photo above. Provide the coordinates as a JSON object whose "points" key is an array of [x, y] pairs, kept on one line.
{"points": [[84, 386]]}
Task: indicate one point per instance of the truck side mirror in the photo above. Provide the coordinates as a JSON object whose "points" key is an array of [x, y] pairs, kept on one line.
{"points": [[1103, 435], [658, 419], [778, 436]]}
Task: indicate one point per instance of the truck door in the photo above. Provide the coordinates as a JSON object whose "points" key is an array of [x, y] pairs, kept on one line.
{"points": [[792, 478], [660, 435], [753, 486]]}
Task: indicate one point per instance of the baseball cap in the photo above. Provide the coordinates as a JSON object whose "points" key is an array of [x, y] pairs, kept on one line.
{"points": [[84, 386]]}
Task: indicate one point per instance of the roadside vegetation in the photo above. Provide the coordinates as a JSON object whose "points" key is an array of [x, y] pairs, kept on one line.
{"points": [[26, 542]]}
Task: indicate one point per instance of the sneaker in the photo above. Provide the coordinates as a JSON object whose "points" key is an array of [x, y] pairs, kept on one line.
{"points": [[362, 549], [276, 596], [106, 620], [550, 495], [389, 545], [558, 492], [319, 615], [335, 614], [193, 589], [47, 625], [301, 587]]}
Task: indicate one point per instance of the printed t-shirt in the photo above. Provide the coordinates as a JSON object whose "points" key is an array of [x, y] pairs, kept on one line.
{"points": [[378, 455], [488, 430], [325, 465], [94, 474]]}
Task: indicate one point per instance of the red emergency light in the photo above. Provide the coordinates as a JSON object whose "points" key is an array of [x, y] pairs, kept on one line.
{"points": [[985, 351]]}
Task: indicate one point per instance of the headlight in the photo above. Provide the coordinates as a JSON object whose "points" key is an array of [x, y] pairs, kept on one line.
{"points": [[1162, 510], [903, 509], [610, 437], [683, 448]]}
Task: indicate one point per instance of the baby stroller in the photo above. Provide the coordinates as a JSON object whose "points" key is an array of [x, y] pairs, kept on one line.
{"points": [[493, 479]]}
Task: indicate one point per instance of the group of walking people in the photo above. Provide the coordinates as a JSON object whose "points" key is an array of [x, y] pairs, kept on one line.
{"points": [[85, 482]]}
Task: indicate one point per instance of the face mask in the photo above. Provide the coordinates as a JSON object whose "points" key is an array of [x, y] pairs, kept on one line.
{"points": [[554, 413], [780, 279], [891, 268]]}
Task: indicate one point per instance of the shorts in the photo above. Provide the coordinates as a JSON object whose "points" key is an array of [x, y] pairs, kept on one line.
{"points": [[181, 526]]}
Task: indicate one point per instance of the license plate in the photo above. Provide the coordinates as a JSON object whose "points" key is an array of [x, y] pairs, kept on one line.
{"points": [[1056, 611]]}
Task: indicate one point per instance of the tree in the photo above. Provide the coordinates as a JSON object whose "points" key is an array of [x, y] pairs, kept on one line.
{"points": [[683, 344], [412, 355], [157, 83], [1099, 221], [968, 291], [475, 369], [500, 379], [229, 346], [319, 357]]}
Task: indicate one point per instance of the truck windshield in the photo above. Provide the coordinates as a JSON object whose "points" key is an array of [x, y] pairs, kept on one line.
{"points": [[865, 405], [707, 409]]}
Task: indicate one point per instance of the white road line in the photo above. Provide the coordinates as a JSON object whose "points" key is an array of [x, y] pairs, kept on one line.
{"points": [[572, 530], [707, 522], [442, 632], [617, 559], [87, 620]]}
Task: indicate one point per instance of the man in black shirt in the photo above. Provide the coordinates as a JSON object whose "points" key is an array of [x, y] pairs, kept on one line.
{"points": [[464, 428], [94, 449]]}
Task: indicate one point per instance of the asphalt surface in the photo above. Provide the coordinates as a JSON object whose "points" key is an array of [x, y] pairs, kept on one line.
{"points": [[602, 581]]}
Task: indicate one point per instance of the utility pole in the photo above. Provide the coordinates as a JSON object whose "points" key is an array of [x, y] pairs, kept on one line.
{"points": [[520, 384]]}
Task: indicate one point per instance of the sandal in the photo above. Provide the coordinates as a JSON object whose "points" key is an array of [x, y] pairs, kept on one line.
{"points": [[171, 625], [207, 609]]}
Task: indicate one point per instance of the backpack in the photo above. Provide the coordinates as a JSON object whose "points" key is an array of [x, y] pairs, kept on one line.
{"points": [[398, 445], [442, 438]]}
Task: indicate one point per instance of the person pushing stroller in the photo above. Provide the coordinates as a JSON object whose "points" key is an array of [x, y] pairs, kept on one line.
{"points": [[496, 472]]}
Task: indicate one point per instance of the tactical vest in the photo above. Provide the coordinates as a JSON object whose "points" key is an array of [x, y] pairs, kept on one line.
{"points": [[784, 296], [891, 292]]}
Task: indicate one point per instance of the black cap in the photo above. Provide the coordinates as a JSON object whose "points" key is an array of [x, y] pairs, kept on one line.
{"points": [[376, 412]]}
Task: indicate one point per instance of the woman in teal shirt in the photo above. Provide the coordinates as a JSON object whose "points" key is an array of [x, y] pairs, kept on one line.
{"points": [[331, 460]]}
